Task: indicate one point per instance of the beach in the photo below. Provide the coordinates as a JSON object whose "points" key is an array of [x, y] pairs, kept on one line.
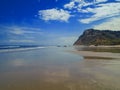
{"points": [[59, 68], [98, 52], [98, 55]]}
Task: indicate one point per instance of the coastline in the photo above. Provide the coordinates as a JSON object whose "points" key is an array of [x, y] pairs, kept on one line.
{"points": [[101, 55], [97, 46], [98, 52]]}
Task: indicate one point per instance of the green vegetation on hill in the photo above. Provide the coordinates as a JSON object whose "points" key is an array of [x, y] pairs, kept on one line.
{"points": [[99, 37]]}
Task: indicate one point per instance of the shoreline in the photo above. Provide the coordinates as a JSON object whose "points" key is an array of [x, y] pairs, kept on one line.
{"points": [[91, 54], [97, 46]]}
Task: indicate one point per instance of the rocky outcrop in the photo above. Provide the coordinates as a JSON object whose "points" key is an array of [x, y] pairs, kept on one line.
{"points": [[99, 37]]}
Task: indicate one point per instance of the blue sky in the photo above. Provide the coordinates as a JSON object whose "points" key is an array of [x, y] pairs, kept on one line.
{"points": [[51, 22]]}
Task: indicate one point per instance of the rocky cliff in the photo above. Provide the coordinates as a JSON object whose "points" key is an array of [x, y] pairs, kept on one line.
{"points": [[99, 37]]}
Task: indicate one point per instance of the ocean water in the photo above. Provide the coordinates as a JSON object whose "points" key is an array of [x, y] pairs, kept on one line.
{"points": [[14, 48], [54, 68]]}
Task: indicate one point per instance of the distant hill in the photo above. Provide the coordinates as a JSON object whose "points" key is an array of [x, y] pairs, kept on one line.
{"points": [[99, 37]]}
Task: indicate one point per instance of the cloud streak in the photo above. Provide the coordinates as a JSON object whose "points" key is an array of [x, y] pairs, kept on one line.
{"points": [[18, 34], [21, 41], [101, 12], [23, 30]]}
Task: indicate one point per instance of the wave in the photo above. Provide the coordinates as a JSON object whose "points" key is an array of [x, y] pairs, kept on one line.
{"points": [[18, 48]]}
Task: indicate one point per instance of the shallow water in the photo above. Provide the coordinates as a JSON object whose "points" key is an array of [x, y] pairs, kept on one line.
{"points": [[54, 68]]}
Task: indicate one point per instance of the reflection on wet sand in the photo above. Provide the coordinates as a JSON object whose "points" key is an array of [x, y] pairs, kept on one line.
{"points": [[58, 70]]}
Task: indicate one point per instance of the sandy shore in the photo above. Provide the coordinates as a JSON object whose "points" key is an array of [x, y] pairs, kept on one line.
{"points": [[97, 55]]}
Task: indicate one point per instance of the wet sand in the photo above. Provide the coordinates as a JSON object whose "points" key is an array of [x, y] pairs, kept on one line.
{"points": [[99, 52], [103, 66], [97, 55], [56, 69]]}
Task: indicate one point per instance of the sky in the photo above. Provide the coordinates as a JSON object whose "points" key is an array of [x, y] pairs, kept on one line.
{"points": [[54, 22]]}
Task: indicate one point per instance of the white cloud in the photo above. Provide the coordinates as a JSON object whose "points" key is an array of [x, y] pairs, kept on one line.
{"points": [[99, 1], [78, 4], [90, 10], [70, 5], [54, 14], [102, 11], [112, 24]]}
